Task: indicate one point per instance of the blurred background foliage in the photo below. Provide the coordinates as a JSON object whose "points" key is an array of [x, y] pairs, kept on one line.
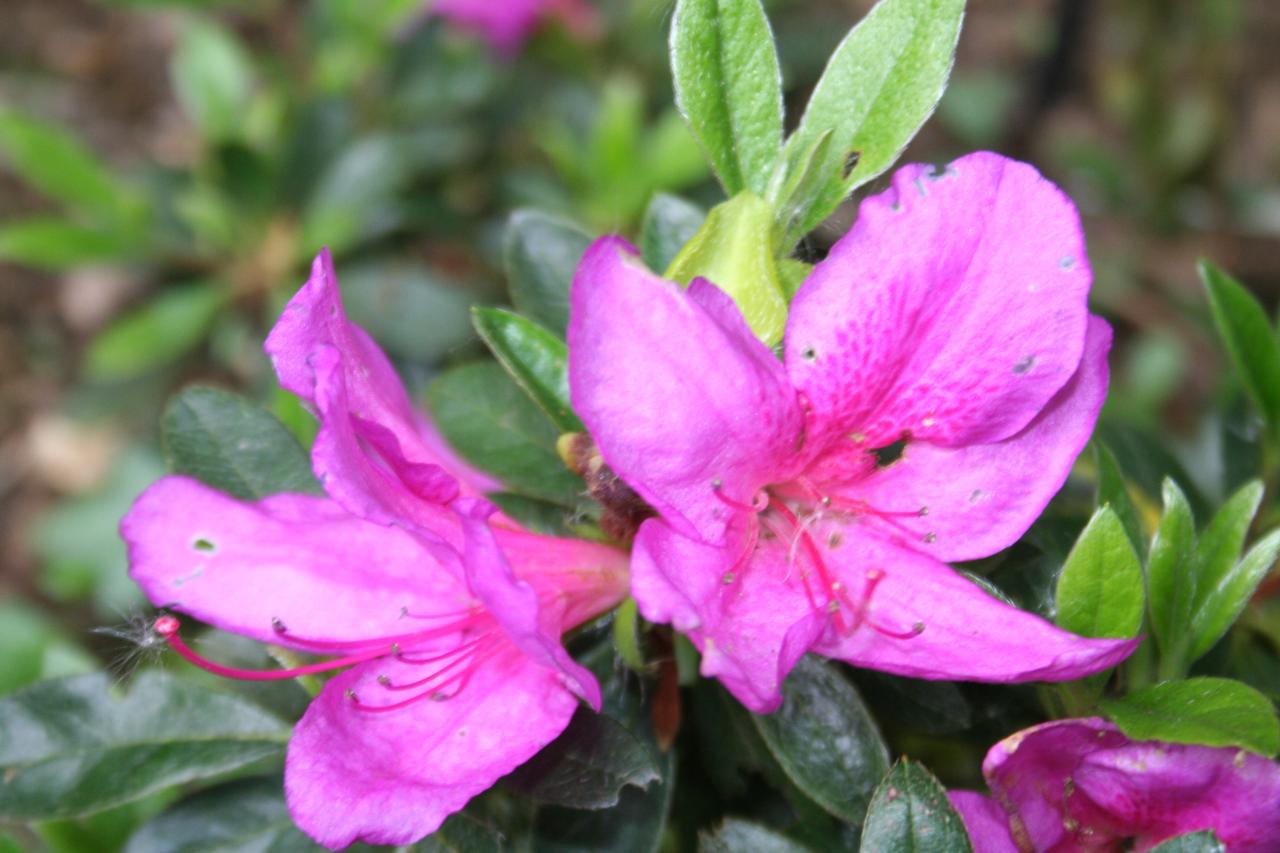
{"points": [[169, 167]]}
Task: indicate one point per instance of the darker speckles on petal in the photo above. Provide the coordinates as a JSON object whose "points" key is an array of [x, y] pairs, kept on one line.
{"points": [[1024, 365], [206, 546], [1067, 262], [919, 184], [976, 495], [809, 353]]}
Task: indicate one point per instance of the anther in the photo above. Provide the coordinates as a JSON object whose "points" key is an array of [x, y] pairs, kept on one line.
{"points": [[833, 606], [924, 510], [728, 578], [278, 626], [930, 538], [351, 695], [395, 649], [384, 680]]}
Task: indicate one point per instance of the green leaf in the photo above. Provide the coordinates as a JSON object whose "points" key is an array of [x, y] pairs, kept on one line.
{"points": [[248, 814], [729, 88], [536, 359], [825, 740], [74, 746], [460, 833], [1245, 330], [57, 164], [879, 87], [733, 250], [669, 223], [212, 76], [736, 835], [541, 254], [1100, 590], [163, 329], [587, 766], [1223, 602], [1209, 711], [51, 243], [795, 188], [33, 647], [910, 813], [550, 519], [635, 825], [228, 443], [1222, 540], [1171, 569], [489, 420], [1113, 492], [1192, 842]]}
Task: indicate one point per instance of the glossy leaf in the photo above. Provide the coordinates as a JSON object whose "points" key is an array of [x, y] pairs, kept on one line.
{"points": [[212, 75], [1171, 569], [1209, 711], [910, 813], [825, 740], [461, 833], [489, 420], [1247, 334], [227, 442], [247, 814], [881, 84], [541, 254], [736, 835], [1100, 590], [728, 87], [536, 359], [159, 331], [59, 165], [635, 825], [75, 746], [669, 223]]}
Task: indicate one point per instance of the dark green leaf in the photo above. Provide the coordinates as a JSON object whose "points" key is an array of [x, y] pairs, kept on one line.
{"points": [[51, 243], [536, 359], [541, 254], [1113, 492], [1245, 330], [729, 88], [1209, 711], [74, 746], [60, 166], [158, 332], [1100, 590], [825, 740], [880, 85], [540, 516], [669, 223], [635, 825], [247, 814], [1194, 842], [736, 835], [461, 833], [587, 766], [227, 442], [212, 75], [910, 813], [1171, 570], [489, 420]]}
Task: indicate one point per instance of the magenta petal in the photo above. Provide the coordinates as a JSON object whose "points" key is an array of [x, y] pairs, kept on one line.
{"points": [[505, 24], [980, 499], [954, 309], [676, 397], [967, 634], [392, 777], [985, 821], [294, 558], [752, 623]]}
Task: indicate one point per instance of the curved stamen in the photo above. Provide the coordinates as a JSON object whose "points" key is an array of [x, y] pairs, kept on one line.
{"points": [[323, 646], [462, 679], [460, 656], [837, 596], [874, 577], [759, 501]]}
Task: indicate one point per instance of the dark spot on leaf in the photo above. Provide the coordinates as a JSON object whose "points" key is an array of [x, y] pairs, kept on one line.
{"points": [[205, 545], [850, 163], [890, 453]]}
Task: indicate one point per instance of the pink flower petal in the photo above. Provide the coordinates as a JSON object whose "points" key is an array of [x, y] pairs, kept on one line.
{"points": [[505, 24], [392, 777], [967, 634], [676, 397], [969, 502], [953, 311], [295, 558], [985, 821]]}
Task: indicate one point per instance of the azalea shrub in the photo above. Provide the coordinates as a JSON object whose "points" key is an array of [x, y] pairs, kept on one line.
{"points": [[744, 535]]}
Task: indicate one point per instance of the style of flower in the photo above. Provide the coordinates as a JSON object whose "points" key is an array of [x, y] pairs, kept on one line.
{"points": [[508, 24], [1082, 785], [941, 374], [446, 621]]}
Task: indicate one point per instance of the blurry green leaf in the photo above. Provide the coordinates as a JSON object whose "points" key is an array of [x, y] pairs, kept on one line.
{"points": [[587, 766], [540, 516], [977, 104], [247, 814], [670, 158], [1209, 711], [729, 87], [825, 740], [74, 746], [52, 243], [1113, 492], [733, 250], [229, 443], [1100, 590], [212, 76], [669, 223], [736, 835], [1171, 570], [536, 359], [541, 254], [910, 813], [60, 166], [461, 833], [160, 331], [488, 419], [32, 648], [1247, 334], [407, 309], [1192, 842], [879, 87]]}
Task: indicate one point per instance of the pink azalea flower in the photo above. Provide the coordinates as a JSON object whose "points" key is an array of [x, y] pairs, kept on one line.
{"points": [[507, 24], [941, 374], [446, 623], [1082, 785]]}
